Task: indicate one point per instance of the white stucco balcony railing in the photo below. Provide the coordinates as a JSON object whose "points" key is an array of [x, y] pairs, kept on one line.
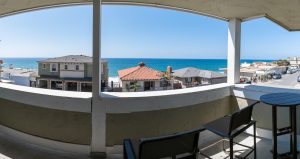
{"points": [[62, 120]]}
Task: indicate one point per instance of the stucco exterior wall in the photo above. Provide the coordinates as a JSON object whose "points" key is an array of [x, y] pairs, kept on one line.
{"points": [[88, 72], [58, 125], [46, 71], [219, 80], [162, 122], [126, 84], [71, 74]]}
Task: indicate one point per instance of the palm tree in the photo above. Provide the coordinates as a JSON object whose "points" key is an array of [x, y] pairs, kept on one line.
{"points": [[135, 86]]}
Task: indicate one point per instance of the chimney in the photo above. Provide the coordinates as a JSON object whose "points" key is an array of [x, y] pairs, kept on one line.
{"points": [[141, 64], [169, 69]]}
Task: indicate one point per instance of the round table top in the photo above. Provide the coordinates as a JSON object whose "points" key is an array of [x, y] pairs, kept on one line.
{"points": [[281, 99]]}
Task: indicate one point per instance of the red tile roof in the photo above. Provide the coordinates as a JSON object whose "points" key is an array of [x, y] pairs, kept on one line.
{"points": [[139, 73]]}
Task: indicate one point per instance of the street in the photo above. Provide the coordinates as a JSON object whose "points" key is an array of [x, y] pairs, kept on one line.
{"points": [[287, 80]]}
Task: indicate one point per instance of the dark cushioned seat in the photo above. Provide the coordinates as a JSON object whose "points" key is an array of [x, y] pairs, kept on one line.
{"points": [[165, 146]]}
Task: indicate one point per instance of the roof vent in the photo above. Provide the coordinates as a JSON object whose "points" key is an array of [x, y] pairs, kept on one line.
{"points": [[141, 64]]}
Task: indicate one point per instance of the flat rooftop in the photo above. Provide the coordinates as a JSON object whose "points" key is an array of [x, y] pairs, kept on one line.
{"points": [[19, 72]]}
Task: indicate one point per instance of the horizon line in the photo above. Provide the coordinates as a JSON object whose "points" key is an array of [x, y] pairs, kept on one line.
{"points": [[153, 58]]}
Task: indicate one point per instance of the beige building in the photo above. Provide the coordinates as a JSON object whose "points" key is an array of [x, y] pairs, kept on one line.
{"points": [[294, 61]]}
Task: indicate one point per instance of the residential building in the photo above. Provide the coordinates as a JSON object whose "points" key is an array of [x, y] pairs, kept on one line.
{"points": [[72, 73], [142, 78], [19, 76], [294, 61], [191, 77]]}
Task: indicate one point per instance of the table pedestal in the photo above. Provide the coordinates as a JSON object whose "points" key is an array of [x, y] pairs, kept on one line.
{"points": [[292, 130]]}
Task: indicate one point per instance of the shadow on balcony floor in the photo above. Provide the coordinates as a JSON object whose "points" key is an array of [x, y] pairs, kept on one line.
{"points": [[11, 148], [264, 147]]}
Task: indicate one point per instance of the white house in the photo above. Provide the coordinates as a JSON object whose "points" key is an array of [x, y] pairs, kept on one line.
{"points": [[142, 78]]}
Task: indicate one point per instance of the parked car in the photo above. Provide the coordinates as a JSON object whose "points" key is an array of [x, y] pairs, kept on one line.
{"points": [[289, 71], [298, 79], [276, 76], [58, 85], [294, 70]]}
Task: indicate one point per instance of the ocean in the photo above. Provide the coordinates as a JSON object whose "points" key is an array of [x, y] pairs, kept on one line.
{"points": [[115, 64]]}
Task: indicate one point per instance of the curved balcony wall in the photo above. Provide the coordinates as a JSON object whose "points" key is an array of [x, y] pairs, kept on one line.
{"points": [[45, 116], [164, 112], [162, 122], [66, 116]]}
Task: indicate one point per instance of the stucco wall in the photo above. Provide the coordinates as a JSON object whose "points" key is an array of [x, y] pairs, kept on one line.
{"points": [[161, 122], [59, 125], [89, 70], [46, 71], [219, 80]]}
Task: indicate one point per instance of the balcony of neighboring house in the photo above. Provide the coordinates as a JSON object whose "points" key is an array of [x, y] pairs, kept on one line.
{"points": [[58, 124]]}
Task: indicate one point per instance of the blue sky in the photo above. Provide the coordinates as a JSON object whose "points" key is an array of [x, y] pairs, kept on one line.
{"points": [[139, 32]]}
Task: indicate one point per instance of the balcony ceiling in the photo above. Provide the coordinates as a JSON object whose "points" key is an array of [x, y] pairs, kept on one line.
{"points": [[286, 13]]}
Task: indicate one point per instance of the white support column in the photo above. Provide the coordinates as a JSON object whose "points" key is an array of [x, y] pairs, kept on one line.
{"points": [[98, 144], [49, 84], [63, 85], [78, 86], [96, 47], [234, 51]]}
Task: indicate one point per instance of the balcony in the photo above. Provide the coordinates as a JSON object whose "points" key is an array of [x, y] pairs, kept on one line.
{"points": [[58, 124], [12, 148], [61, 122]]}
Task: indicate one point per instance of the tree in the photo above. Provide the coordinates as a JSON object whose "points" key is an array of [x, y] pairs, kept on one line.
{"points": [[135, 86], [282, 63]]}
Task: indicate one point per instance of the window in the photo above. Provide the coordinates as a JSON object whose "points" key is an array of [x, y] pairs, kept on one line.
{"points": [[77, 67], [44, 66], [53, 67], [188, 80], [66, 67]]}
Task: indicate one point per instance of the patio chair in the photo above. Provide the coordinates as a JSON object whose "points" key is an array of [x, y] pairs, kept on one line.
{"points": [[182, 144], [231, 126]]}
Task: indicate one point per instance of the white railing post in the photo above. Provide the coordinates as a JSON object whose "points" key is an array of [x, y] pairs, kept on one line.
{"points": [[98, 145], [234, 51]]}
